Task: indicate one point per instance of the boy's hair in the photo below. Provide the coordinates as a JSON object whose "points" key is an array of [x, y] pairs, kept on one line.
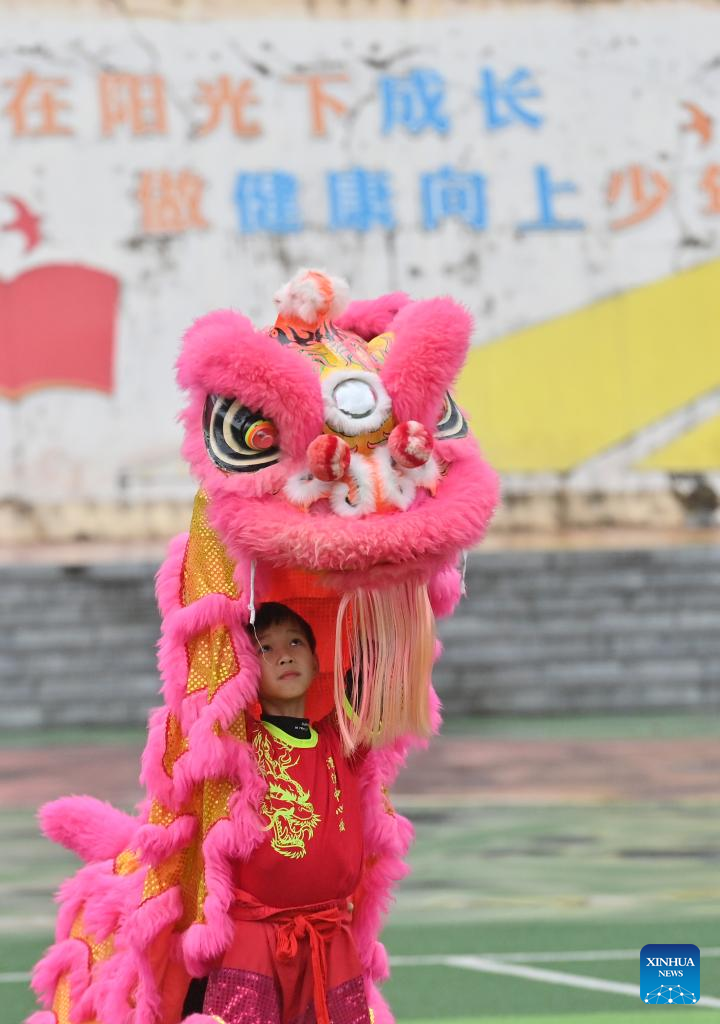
{"points": [[272, 613]]}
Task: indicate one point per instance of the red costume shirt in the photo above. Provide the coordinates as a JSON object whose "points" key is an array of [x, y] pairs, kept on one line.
{"points": [[293, 959], [313, 850]]}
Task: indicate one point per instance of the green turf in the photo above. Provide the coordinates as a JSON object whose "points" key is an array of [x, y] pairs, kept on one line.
{"points": [[625, 725], [453, 992], [438, 993], [541, 936], [442, 993], [68, 736], [652, 1014], [616, 862], [18, 953], [486, 879]]}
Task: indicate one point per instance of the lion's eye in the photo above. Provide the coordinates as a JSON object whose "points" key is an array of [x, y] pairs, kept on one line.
{"points": [[452, 423], [261, 435], [238, 439]]}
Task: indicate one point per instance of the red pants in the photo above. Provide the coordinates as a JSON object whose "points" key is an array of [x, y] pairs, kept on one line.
{"points": [[297, 965]]}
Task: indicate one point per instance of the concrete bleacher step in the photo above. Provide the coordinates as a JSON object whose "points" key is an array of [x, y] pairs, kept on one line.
{"points": [[585, 630], [539, 632]]}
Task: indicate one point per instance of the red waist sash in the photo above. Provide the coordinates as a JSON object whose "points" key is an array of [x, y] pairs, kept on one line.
{"points": [[318, 923]]}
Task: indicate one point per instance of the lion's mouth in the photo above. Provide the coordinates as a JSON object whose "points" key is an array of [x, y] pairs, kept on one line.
{"points": [[373, 483], [384, 545]]}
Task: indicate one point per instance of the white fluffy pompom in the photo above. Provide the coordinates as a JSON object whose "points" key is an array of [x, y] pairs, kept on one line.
{"points": [[312, 295]]}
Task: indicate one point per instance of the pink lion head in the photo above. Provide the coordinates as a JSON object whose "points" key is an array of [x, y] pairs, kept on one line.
{"points": [[331, 442]]}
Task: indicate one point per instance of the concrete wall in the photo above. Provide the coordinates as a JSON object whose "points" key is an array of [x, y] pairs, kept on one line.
{"points": [[554, 166], [539, 632]]}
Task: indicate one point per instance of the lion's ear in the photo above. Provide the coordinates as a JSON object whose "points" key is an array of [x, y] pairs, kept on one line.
{"points": [[371, 317], [430, 342]]}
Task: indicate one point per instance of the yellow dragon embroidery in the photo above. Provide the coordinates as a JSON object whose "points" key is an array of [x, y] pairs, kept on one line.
{"points": [[287, 806]]}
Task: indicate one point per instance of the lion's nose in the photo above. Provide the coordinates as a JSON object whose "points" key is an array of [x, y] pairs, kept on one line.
{"points": [[410, 444], [328, 457]]}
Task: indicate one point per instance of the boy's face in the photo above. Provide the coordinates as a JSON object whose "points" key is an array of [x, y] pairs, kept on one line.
{"points": [[287, 664]]}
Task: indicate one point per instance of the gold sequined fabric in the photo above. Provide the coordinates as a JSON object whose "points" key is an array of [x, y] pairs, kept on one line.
{"points": [[207, 568], [237, 728], [175, 744], [193, 887], [186, 867], [61, 1002], [99, 949], [161, 815], [216, 800], [126, 863], [163, 877], [212, 661]]}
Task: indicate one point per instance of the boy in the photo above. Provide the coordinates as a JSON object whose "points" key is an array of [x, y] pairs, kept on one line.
{"points": [[292, 951]]}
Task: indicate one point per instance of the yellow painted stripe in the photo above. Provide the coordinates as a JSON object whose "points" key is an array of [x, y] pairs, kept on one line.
{"points": [[695, 451], [553, 395]]}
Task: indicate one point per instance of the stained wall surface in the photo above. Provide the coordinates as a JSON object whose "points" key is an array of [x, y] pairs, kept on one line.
{"points": [[556, 167]]}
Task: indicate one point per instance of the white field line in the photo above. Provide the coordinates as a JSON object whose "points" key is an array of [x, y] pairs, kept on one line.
{"points": [[584, 954], [502, 963], [564, 956], [479, 963]]}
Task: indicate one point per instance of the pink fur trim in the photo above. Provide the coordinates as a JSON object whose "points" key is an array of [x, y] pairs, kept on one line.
{"points": [[370, 317], [381, 1010], [433, 528], [168, 579], [91, 828], [228, 840], [149, 919], [152, 773], [104, 909], [431, 340], [113, 986], [90, 884], [158, 842], [224, 354], [208, 755], [267, 481], [387, 839], [182, 625], [444, 591], [71, 957], [129, 969]]}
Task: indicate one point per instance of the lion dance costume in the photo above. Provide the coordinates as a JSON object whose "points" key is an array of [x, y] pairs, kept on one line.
{"points": [[337, 475]]}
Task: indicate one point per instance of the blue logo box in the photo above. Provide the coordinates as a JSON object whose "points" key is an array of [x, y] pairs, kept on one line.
{"points": [[670, 974]]}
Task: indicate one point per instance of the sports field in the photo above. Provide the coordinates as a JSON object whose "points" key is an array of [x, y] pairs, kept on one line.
{"points": [[548, 852]]}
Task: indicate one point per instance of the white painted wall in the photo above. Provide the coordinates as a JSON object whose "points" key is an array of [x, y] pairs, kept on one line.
{"points": [[611, 81]]}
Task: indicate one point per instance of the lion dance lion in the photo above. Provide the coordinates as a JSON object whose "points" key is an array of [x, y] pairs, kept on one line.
{"points": [[336, 474]]}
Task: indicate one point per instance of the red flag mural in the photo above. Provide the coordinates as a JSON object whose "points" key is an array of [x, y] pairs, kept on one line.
{"points": [[57, 329]]}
